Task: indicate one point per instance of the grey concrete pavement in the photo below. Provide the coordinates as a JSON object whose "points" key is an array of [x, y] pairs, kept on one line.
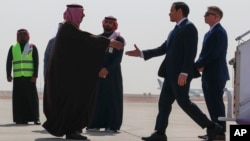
{"points": [[138, 120]]}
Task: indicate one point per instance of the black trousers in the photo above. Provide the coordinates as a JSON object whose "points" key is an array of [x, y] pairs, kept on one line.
{"points": [[213, 93], [171, 92]]}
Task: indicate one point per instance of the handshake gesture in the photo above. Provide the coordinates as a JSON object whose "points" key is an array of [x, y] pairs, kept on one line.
{"points": [[134, 53]]}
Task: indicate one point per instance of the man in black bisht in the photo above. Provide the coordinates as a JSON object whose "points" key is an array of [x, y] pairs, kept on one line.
{"points": [[71, 76], [109, 98]]}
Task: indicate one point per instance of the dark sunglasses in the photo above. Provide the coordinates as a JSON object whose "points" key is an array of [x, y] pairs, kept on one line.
{"points": [[209, 13]]}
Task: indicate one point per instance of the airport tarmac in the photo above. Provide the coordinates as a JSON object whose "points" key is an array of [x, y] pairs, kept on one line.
{"points": [[138, 120]]}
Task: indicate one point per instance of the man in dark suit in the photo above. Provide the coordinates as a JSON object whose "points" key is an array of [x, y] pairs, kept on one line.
{"points": [[213, 65], [180, 49]]}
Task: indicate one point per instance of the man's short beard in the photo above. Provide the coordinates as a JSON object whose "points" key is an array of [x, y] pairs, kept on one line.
{"points": [[108, 30]]}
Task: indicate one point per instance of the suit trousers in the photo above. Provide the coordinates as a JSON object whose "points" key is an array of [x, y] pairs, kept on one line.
{"points": [[213, 93], [171, 92]]}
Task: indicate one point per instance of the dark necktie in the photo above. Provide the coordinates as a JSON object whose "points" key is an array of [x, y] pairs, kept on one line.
{"points": [[171, 34], [175, 28]]}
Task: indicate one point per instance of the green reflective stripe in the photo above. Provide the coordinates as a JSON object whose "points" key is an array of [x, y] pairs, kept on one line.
{"points": [[21, 65], [26, 72], [22, 61], [24, 69]]}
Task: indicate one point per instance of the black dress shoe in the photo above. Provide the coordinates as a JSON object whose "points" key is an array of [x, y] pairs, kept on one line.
{"points": [[76, 136], [220, 137], [202, 136], [213, 130], [155, 137], [37, 122]]}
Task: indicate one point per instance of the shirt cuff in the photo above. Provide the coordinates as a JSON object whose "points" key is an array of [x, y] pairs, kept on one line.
{"points": [[142, 55]]}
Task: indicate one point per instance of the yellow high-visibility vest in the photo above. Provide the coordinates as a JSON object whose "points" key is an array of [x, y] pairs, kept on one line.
{"points": [[22, 64]]}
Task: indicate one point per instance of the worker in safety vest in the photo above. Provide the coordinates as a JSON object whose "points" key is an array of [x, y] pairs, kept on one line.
{"points": [[23, 58]]}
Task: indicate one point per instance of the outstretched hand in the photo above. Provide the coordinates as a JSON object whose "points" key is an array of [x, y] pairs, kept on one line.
{"points": [[135, 53]]}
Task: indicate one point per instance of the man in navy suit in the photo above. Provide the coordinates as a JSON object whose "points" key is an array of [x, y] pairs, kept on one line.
{"points": [[213, 65], [178, 70]]}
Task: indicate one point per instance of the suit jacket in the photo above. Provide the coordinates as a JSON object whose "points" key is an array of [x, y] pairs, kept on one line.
{"points": [[213, 55], [180, 49]]}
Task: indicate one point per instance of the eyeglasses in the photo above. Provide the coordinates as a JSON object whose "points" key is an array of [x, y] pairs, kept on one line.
{"points": [[209, 13]]}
